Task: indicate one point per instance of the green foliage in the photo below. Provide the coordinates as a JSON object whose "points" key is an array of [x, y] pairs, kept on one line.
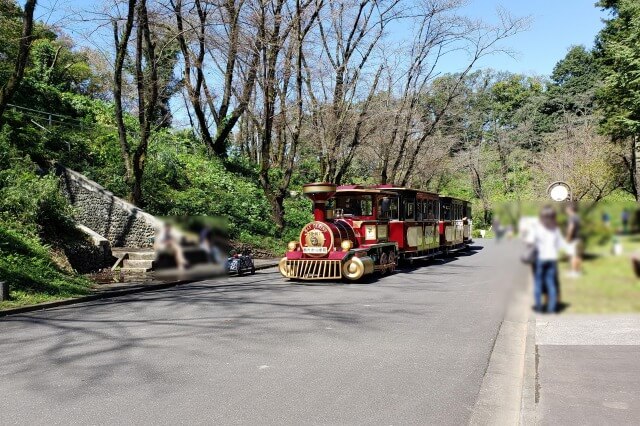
{"points": [[10, 28], [29, 199], [34, 217], [27, 266], [619, 52], [298, 212], [182, 181]]}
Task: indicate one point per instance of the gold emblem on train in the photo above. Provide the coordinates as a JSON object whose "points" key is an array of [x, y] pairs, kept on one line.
{"points": [[314, 238]]}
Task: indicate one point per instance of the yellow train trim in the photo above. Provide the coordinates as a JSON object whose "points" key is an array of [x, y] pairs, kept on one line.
{"points": [[311, 269]]}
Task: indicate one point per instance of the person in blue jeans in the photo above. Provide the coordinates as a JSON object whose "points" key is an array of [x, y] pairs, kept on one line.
{"points": [[548, 240]]}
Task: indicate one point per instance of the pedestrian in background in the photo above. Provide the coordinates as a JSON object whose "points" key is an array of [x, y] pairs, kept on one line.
{"points": [[625, 221], [547, 240], [574, 243], [606, 220]]}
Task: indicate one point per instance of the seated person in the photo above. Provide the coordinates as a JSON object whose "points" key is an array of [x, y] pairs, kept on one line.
{"points": [[167, 240], [208, 244]]}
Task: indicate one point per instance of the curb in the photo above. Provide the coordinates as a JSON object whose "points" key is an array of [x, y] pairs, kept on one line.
{"points": [[501, 394], [528, 408], [106, 295]]}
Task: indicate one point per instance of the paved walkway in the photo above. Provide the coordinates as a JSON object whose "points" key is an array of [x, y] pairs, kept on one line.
{"points": [[588, 369]]}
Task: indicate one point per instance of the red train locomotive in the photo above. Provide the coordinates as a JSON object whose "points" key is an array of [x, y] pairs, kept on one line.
{"points": [[358, 230]]}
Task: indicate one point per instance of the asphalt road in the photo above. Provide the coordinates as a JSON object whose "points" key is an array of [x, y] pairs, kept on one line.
{"points": [[409, 348]]}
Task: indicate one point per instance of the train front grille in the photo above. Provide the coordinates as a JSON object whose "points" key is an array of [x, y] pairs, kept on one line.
{"points": [[307, 269]]}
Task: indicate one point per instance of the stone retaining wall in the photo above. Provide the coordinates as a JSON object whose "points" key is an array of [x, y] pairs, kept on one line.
{"points": [[120, 222]]}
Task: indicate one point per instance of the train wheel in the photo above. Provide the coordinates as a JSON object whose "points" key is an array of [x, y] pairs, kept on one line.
{"points": [[384, 261], [392, 262]]}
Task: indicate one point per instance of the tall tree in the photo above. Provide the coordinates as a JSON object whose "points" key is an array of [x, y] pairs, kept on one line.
{"points": [[283, 31], [146, 80], [618, 48], [11, 85], [231, 54]]}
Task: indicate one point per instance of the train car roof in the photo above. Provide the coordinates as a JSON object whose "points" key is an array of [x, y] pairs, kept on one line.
{"points": [[444, 197], [356, 189], [389, 187]]}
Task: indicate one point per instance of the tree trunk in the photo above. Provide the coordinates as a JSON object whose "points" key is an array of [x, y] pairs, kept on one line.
{"points": [[122, 42], [10, 87], [277, 211], [633, 168]]}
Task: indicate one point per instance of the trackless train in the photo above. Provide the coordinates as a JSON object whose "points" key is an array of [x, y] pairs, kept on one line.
{"points": [[358, 230]]}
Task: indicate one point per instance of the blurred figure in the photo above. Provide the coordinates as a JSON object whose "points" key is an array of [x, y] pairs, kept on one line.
{"points": [[616, 247], [546, 237], [625, 221], [208, 244], [526, 225], [574, 243], [498, 230], [167, 240], [606, 220]]}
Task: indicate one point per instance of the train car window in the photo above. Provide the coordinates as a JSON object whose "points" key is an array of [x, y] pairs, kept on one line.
{"points": [[446, 212], [409, 209], [388, 208], [355, 205], [384, 207], [420, 210], [366, 206], [430, 210]]}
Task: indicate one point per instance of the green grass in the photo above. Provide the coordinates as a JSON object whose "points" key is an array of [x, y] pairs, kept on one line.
{"points": [[32, 274], [608, 283]]}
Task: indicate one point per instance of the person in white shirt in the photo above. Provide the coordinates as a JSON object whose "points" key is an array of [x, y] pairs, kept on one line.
{"points": [[548, 240], [167, 240]]}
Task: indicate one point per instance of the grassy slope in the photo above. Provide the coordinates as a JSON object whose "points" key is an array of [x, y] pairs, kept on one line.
{"points": [[608, 284], [32, 274]]}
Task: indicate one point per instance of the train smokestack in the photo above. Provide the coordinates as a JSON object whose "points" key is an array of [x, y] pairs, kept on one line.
{"points": [[319, 193]]}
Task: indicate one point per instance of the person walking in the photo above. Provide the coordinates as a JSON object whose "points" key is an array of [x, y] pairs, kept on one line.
{"points": [[574, 243], [625, 221], [547, 240]]}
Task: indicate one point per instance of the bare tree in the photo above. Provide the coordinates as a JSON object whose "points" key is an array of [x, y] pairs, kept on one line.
{"points": [[483, 41], [589, 162], [348, 33], [218, 35], [283, 28], [146, 79]]}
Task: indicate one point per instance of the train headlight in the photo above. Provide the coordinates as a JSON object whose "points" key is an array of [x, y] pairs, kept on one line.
{"points": [[346, 245], [292, 245]]}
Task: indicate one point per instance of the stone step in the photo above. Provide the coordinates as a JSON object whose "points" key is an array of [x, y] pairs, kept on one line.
{"points": [[134, 271], [142, 255], [134, 264]]}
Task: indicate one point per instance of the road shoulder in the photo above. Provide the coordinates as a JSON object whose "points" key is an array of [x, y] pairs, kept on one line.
{"points": [[501, 393]]}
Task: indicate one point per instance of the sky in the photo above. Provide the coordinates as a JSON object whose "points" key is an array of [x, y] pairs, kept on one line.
{"points": [[555, 26]]}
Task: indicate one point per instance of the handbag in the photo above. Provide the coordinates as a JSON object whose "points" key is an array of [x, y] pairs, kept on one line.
{"points": [[530, 255]]}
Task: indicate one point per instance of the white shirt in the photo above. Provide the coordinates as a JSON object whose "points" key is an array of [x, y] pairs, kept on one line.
{"points": [[547, 241]]}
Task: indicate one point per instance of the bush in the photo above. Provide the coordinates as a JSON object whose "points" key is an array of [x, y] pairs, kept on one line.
{"points": [[32, 200], [26, 265]]}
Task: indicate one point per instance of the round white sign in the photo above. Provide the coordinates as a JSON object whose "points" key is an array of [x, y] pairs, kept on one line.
{"points": [[559, 193]]}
